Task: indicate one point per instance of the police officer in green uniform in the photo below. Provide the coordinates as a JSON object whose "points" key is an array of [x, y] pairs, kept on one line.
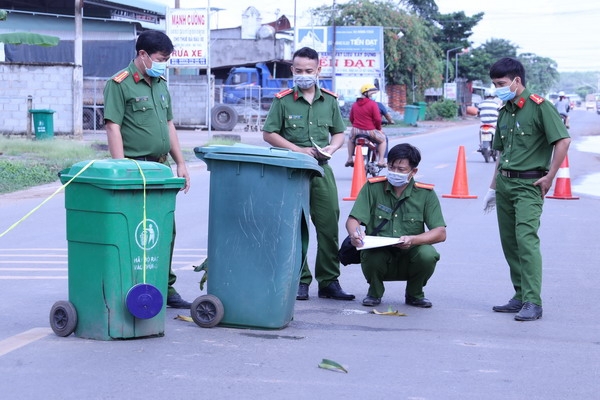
{"points": [[533, 143], [139, 118], [297, 118], [414, 258]]}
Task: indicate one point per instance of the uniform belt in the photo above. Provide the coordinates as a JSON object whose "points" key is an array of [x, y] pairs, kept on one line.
{"points": [[523, 174], [323, 162], [160, 159]]}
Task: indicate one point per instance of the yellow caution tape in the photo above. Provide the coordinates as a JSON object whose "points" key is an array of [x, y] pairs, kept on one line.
{"points": [[45, 201]]}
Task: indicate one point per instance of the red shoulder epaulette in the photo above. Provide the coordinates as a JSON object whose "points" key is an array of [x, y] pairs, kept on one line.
{"points": [[329, 92], [377, 179], [284, 93], [537, 99], [428, 186], [121, 76]]}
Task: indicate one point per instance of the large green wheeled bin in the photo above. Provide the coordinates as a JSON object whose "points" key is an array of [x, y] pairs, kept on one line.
{"points": [[411, 114], [257, 233], [43, 123], [120, 217], [422, 109]]}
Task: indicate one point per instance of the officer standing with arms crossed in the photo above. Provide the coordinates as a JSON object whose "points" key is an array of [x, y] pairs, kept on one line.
{"points": [[139, 118], [298, 117], [529, 131]]}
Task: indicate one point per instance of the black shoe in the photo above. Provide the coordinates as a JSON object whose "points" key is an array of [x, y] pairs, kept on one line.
{"points": [[513, 306], [529, 312], [335, 291], [302, 292], [175, 301], [413, 301], [371, 301]]}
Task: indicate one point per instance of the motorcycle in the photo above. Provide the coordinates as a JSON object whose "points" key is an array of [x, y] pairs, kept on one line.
{"points": [[486, 135], [369, 152]]}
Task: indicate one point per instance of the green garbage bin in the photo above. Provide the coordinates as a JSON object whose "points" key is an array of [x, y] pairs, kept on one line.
{"points": [[422, 109], [108, 238], [43, 123], [411, 114], [257, 231]]}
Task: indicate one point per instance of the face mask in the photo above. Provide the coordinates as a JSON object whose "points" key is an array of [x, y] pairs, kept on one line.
{"points": [[397, 179], [505, 94], [157, 69], [305, 81]]}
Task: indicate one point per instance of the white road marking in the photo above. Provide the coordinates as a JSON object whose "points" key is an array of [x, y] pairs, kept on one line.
{"points": [[22, 339]]}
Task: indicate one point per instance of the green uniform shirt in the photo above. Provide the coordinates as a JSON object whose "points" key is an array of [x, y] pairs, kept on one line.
{"points": [[526, 132], [296, 120], [141, 110], [376, 201]]}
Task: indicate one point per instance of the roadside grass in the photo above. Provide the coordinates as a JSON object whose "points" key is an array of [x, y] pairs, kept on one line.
{"points": [[25, 163]]}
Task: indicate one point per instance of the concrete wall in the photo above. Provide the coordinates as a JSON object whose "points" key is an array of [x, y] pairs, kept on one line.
{"points": [[50, 87]]}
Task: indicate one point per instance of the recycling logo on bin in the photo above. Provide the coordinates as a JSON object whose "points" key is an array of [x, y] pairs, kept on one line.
{"points": [[147, 239]]}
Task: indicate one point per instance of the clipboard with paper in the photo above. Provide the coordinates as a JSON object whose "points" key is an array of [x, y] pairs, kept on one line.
{"points": [[371, 242]]}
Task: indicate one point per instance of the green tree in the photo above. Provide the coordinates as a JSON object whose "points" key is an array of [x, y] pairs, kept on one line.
{"points": [[426, 9], [540, 72], [411, 58], [476, 65], [498, 48], [456, 28]]}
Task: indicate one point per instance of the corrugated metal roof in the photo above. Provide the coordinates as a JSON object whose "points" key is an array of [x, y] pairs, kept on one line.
{"points": [[146, 5]]}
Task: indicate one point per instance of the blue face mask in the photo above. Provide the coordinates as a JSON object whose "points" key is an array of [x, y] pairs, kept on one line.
{"points": [[397, 179], [505, 94], [157, 69]]}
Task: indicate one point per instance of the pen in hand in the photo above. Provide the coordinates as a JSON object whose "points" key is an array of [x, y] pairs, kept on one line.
{"points": [[359, 235]]}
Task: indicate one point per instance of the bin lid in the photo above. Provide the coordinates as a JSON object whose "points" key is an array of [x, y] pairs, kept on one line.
{"points": [[41, 111], [256, 154], [123, 174]]}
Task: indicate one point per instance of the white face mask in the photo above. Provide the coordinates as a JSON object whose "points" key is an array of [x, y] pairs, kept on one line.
{"points": [[398, 179]]}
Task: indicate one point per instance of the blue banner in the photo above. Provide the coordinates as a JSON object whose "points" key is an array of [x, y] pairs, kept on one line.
{"points": [[359, 39]]}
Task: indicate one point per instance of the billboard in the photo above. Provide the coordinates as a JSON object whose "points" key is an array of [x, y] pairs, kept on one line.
{"points": [[188, 30], [358, 49]]}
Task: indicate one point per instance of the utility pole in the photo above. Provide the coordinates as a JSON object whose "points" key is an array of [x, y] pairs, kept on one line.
{"points": [[447, 60], [78, 73], [333, 51]]}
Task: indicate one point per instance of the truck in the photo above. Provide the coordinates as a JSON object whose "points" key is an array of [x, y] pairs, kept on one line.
{"points": [[257, 87]]}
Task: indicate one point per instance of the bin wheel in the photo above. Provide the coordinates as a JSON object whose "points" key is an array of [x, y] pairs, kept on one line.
{"points": [[63, 318], [207, 311]]}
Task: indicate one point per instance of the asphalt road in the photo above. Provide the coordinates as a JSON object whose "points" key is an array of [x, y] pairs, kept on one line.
{"points": [[459, 349]]}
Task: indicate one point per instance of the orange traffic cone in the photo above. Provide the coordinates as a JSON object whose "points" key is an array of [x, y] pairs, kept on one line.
{"points": [[562, 188], [359, 178], [460, 187]]}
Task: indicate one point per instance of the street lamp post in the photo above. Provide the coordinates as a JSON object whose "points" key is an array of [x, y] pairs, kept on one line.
{"points": [[447, 60]]}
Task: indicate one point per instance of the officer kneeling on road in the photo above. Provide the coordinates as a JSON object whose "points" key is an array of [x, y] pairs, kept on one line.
{"points": [[408, 207]]}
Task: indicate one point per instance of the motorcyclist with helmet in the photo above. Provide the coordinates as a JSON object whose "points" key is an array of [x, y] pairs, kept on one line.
{"points": [[563, 106], [366, 120], [488, 108]]}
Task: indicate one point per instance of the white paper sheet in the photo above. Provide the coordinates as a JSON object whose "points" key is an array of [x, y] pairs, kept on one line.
{"points": [[371, 242]]}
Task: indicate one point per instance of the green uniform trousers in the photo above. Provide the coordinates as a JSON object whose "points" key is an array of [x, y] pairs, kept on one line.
{"points": [[519, 208], [325, 215], [415, 266]]}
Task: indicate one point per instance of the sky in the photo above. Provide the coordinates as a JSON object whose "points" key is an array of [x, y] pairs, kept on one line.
{"points": [[565, 31]]}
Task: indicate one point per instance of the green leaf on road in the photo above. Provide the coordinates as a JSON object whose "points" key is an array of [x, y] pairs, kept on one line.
{"points": [[332, 365]]}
